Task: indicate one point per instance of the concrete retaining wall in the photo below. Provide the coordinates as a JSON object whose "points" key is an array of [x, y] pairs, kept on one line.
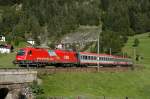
{"points": [[17, 76]]}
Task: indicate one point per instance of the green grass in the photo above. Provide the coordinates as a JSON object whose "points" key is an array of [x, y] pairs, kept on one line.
{"points": [[131, 84], [6, 60], [143, 49]]}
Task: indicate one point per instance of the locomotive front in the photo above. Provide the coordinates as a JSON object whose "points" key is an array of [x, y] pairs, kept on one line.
{"points": [[21, 56]]}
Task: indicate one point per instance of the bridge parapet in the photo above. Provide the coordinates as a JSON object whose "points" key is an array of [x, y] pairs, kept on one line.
{"points": [[17, 76]]}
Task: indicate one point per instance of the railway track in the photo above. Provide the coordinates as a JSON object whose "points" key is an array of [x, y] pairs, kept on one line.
{"points": [[49, 70]]}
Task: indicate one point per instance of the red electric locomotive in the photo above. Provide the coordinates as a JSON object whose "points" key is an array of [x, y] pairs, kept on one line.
{"points": [[41, 56]]}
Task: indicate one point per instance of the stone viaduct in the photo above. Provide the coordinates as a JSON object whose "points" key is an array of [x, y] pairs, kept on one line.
{"points": [[14, 83]]}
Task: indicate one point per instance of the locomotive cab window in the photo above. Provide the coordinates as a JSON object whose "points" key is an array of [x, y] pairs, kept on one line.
{"points": [[21, 52]]}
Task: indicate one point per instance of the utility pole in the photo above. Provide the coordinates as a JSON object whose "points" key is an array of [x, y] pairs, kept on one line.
{"points": [[98, 51], [110, 51], [134, 54], [98, 46]]}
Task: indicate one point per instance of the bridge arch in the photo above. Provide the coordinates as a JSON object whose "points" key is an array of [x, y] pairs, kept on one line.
{"points": [[3, 92]]}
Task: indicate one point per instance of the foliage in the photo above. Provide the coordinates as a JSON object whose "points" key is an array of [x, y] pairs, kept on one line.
{"points": [[58, 16], [36, 89], [124, 18], [113, 40], [148, 34], [142, 50], [136, 42], [48, 20]]}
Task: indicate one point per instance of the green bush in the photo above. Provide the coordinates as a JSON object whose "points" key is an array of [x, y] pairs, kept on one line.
{"points": [[36, 89]]}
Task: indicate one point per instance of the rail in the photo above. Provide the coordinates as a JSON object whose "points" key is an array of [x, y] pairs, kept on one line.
{"points": [[69, 69]]}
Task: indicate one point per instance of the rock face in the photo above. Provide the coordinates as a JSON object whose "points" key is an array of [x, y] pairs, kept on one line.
{"points": [[82, 36], [16, 91]]}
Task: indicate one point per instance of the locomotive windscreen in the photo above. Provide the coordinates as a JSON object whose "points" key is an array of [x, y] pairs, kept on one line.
{"points": [[21, 52], [52, 53]]}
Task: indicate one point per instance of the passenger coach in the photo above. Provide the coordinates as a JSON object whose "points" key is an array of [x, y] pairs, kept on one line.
{"points": [[103, 59]]}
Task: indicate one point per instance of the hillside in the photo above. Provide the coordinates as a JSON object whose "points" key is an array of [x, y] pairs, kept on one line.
{"points": [[142, 50], [49, 20]]}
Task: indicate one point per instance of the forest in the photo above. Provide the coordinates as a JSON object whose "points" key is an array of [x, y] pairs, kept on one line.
{"points": [[48, 20]]}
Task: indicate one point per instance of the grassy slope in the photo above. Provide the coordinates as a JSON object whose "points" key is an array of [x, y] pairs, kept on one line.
{"points": [[131, 83], [6, 59], [143, 49]]}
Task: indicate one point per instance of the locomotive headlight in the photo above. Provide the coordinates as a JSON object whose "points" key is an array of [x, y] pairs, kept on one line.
{"points": [[58, 57]]}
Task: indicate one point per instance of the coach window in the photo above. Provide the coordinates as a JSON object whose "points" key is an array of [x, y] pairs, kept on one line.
{"points": [[106, 58], [100, 58], [92, 57], [89, 57], [110, 59], [83, 57], [103, 58]]}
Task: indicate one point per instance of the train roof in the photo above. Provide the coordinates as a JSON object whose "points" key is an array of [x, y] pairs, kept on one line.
{"points": [[58, 50], [104, 55], [85, 53]]}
